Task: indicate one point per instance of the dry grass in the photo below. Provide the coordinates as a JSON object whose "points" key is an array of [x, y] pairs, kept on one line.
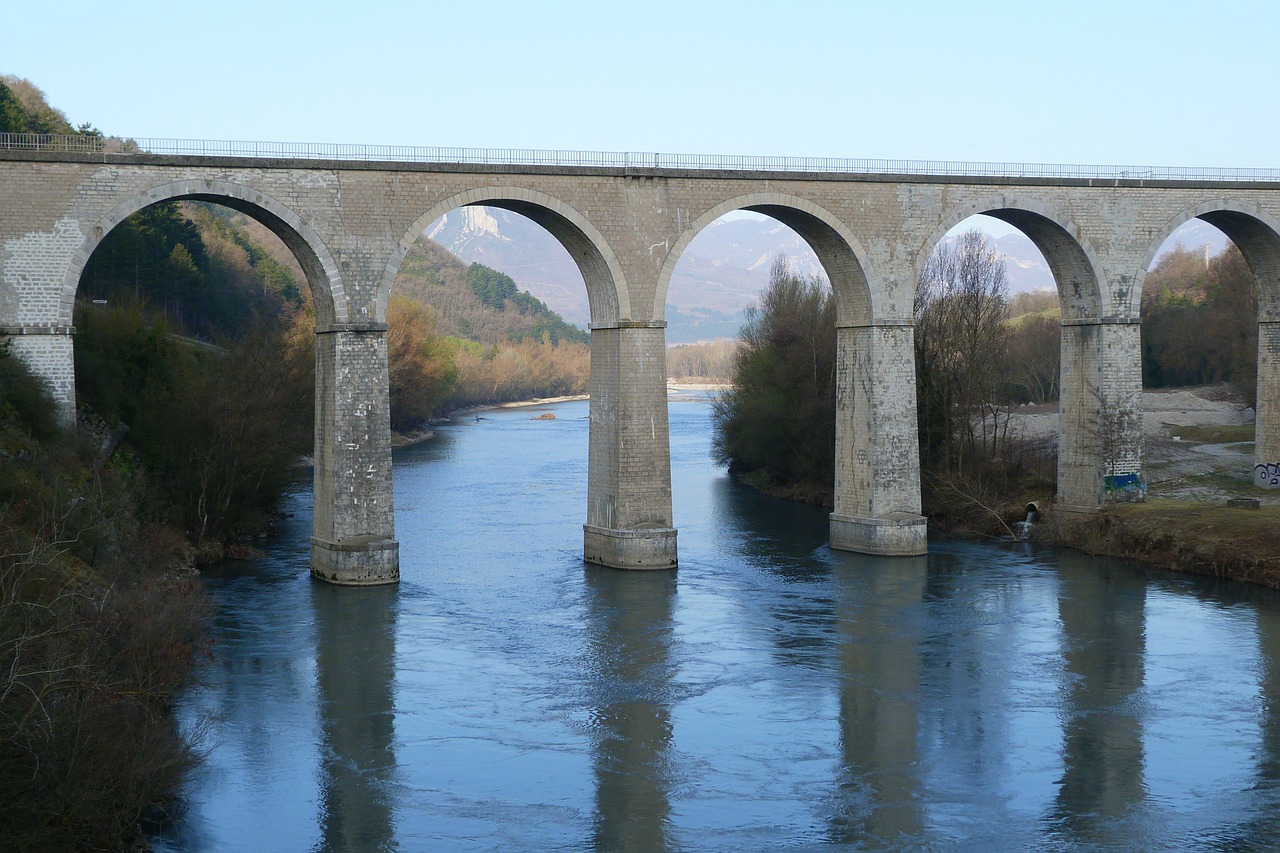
{"points": [[1212, 433], [1207, 539]]}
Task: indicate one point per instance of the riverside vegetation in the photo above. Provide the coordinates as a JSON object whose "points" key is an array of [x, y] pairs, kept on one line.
{"points": [[195, 381], [981, 356]]}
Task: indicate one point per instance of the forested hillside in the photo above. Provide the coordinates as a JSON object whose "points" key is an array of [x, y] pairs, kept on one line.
{"points": [[23, 109], [476, 302], [191, 265], [491, 342], [1199, 322], [99, 624]]}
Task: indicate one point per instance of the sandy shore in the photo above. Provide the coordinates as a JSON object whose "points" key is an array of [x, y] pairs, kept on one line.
{"points": [[697, 386], [542, 401]]}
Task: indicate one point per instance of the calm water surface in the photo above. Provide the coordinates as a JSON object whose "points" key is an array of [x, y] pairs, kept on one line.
{"points": [[770, 693]]}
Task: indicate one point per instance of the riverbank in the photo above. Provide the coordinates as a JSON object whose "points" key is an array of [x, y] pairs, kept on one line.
{"points": [[1204, 539], [1198, 455], [408, 439]]}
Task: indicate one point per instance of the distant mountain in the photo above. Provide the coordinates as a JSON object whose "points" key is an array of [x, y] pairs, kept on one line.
{"points": [[520, 248], [722, 271], [1027, 271], [1194, 235]]}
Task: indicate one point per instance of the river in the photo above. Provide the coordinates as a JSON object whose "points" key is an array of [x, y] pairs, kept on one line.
{"points": [[769, 693]]}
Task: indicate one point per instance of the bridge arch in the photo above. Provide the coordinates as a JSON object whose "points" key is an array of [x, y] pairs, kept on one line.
{"points": [[1255, 233], [1072, 260], [606, 285], [629, 522], [876, 488], [1090, 394], [842, 255], [313, 256]]}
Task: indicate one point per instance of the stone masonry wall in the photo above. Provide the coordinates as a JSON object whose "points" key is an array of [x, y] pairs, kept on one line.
{"points": [[353, 436], [629, 456], [51, 357], [877, 448], [1266, 471]]}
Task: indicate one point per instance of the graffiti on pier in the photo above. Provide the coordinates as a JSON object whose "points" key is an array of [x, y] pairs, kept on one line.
{"points": [[1125, 488], [1267, 475]]}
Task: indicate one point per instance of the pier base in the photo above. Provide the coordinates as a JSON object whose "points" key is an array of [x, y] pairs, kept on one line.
{"points": [[647, 548], [356, 561], [898, 534]]}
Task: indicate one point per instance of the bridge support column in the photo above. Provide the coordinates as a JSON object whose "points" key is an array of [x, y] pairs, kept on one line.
{"points": [[1100, 445], [48, 353], [354, 533], [1266, 453], [877, 489], [629, 456]]}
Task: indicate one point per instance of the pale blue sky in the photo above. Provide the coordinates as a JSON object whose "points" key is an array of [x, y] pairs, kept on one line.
{"points": [[1161, 83]]}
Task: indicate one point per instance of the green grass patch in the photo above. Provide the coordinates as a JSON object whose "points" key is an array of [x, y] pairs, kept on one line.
{"points": [[1209, 434], [1046, 314], [1253, 529], [1202, 538], [1238, 485]]}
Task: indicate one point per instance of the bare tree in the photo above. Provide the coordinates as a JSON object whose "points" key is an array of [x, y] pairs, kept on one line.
{"points": [[1035, 353], [708, 361], [961, 351]]}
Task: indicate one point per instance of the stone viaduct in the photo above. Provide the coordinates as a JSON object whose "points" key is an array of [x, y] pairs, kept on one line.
{"points": [[626, 220]]}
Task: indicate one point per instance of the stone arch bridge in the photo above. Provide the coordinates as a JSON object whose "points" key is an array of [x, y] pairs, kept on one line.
{"points": [[350, 216]]}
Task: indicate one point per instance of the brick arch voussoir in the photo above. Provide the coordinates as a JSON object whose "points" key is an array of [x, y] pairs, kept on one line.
{"points": [[313, 255], [855, 307], [610, 300], [993, 205]]}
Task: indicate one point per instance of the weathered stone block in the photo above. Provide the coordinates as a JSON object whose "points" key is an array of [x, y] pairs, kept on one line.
{"points": [[897, 534], [630, 549], [356, 561]]}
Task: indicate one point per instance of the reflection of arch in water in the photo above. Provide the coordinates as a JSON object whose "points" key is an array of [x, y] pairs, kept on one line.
{"points": [[630, 624], [780, 536], [355, 680]]}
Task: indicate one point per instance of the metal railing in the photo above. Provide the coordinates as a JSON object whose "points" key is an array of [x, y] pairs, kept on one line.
{"points": [[612, 159]]}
